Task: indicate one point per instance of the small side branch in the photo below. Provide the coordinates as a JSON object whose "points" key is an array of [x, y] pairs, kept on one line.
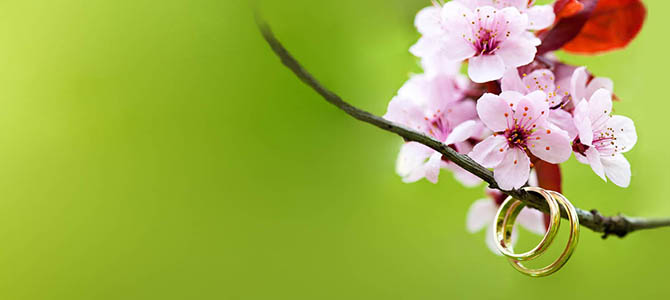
{"points": [[616, 225]]}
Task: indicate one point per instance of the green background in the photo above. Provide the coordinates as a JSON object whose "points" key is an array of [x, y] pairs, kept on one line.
{"points": [[158, 150]]}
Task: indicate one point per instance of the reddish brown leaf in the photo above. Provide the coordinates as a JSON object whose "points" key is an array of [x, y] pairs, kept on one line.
{"points": [[549, 178], [567, 8], [566, 29], [613, 25]]}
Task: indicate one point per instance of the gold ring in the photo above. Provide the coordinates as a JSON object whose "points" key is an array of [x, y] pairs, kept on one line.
{"points": [[569, 249], [506, 217]]}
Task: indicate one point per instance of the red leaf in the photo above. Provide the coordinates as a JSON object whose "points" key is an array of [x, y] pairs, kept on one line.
{"points": [[567, 8], [613, 25], [566, 28], [548, 178]]}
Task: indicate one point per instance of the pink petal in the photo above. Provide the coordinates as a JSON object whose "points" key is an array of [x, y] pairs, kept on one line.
{"points": [[481, 214], [593, 158], [518, 23], [550, 144], [533, 220], [564, 121], [578, 84], [513, 171], [540, 17], [410, 161], [426, 46], [600, 108], [511, 81], [512, 97], [494, 112], [583, 123], [542, 80], [487, 153], [529, 112], [428, 21], [599, 83], [624, 131], [617, 169], [516, 52], [485, 68], [432, 167], [462, 132]]}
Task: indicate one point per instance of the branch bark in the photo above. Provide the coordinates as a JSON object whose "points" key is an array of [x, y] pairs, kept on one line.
{"points": [[619, 225]]}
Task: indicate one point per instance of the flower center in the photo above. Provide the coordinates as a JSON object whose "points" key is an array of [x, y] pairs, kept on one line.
{"points": [[517, 137]]}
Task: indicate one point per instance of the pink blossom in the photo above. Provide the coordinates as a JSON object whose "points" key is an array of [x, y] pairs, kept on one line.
{"points": [[581, 85], [543, 80], [604, 138], [539, 16], [482, 214], [434, 105], [519, 123]]}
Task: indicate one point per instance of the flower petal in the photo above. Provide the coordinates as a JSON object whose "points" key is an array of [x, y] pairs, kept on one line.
{"points": [[432, 167], [511, 81], [428, 21], [564, 121], [533, 220], [617, 169], [487, 153], [481, 214], [540, 17], [583, 123], [513, 171], [494, 112], [485, 68], [624, 131], [599, 83], [578, 84], [550, 144], [516, 52], [410, 161], [462, 132], [593, 157], [600, 108]]}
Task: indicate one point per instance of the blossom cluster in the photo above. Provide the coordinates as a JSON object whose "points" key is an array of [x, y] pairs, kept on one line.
{"points": [[514, 108]]}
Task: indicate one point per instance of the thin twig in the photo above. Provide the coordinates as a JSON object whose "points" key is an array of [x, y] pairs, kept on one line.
{"points": [[615, 225]]}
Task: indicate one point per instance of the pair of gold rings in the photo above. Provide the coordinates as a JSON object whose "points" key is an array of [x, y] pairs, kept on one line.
{"points": [[504, 225]]}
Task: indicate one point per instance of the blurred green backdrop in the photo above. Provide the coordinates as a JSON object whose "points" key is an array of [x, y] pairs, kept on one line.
{"points": [[158, 150]]}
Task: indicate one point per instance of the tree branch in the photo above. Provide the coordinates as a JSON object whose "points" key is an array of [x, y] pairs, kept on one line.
{"points": [[616, 225]]}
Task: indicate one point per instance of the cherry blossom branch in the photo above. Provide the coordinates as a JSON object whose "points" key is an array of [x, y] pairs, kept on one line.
{"points": [[619, 225]]}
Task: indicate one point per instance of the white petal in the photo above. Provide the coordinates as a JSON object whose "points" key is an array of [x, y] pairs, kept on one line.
{"points": [[583, 123], [599, 83], [481, 214], [462, 132], [617, 169], [511, 81], [594, 159], [540, 16], [533, 220], [516, 52], [485, 68], [410, 161], [432, 167], [624, 131], [428, 21], [578, 84]]}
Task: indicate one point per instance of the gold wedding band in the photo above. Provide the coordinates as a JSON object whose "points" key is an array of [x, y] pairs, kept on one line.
{"points": [[505, 223], [506, 217]]}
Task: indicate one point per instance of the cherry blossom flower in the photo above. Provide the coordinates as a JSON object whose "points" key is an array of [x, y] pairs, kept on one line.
{"points": [[482, 214], [604, 138], [519, 123], [580, 85], [491, 39], [539, 16], [543, 80], [434, 105]]}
